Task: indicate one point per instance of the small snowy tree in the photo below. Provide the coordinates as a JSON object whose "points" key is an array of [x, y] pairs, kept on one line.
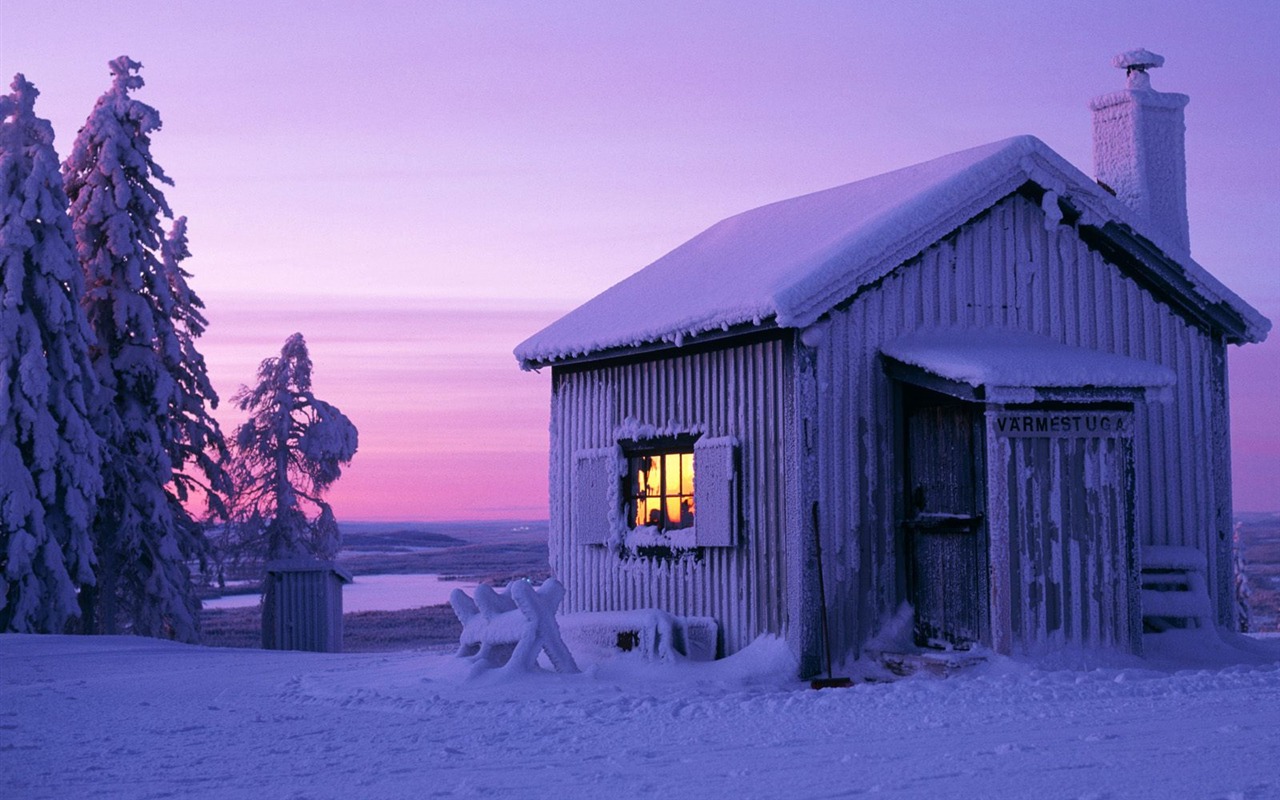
{"points": [[288, 453], [161, 441], [49, 453], [1244, 592]]}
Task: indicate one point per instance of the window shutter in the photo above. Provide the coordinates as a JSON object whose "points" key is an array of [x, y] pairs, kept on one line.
{"points": [[715, 492], [594, 494]]}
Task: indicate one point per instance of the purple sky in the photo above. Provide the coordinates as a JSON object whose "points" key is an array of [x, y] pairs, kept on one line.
{"points": [[417, 187]]}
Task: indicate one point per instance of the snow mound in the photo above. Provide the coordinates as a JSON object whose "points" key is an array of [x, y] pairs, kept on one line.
{"points": [[84, 716]]}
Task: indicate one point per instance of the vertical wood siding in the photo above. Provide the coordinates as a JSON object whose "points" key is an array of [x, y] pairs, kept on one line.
{"points": [[1004, 270], [1068, 552], [743, 391]]}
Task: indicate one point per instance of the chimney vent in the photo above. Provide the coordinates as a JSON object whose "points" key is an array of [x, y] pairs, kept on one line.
{"points": [[1139, 147]]}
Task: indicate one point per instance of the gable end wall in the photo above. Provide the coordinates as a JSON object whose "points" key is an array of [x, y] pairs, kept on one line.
{"points": [[1004, 270]]}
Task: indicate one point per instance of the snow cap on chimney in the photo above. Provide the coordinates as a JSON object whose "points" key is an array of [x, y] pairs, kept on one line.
{"points": [[1139, 147]]}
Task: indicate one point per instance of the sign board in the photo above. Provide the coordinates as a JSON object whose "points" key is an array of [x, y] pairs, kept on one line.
{"points": [[1062, 424]]}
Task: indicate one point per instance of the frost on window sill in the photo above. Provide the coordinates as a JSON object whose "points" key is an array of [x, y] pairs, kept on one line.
{"points": [[650, 541]]}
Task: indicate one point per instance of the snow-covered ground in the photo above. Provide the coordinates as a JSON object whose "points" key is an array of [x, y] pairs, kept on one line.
{"points": [[133, 717]]}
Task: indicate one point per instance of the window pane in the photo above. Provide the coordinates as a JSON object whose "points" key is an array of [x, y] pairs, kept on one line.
{"points": [[671, 471], [673, 517], [660, 490], [640, 466], [651, 512]]}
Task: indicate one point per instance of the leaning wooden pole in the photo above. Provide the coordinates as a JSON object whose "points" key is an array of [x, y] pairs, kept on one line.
{"points": [[829, 681]]}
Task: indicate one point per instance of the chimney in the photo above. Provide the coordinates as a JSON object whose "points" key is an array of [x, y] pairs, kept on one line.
{"points": [[1139, 150]]}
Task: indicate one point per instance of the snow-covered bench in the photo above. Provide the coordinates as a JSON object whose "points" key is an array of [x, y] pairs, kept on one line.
{"points": [[511, 627], [649, 631], [1174, 591]]}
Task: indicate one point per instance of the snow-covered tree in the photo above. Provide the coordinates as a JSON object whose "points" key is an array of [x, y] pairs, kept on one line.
{"points": [[288, 453], [49, 453], [196, 444], [161, 441], [1244, 592]]}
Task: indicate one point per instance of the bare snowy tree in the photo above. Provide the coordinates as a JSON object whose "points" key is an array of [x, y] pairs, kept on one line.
{"points": [[288, 453], [161, 441], [1244, 592], [49, 453]]}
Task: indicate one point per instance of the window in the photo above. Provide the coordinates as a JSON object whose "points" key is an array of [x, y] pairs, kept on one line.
{"points": [[660, 489], [643, 497]]}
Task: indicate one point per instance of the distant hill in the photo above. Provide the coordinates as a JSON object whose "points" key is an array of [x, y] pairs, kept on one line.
{"points": [[395, 539], [483, 551]]}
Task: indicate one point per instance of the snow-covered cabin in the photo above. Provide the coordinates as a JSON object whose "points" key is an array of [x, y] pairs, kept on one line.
{"points": [[984, 384]]}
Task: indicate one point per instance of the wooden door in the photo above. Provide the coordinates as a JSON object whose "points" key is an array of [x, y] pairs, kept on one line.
{"points": [[1066, 494], [944, 543]]}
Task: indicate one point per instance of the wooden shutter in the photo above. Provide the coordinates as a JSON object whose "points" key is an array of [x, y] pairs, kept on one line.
{"points": [[715, 492], [594, 494]]}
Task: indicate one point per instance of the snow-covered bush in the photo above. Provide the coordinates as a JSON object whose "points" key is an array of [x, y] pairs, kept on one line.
{"points": [[49, 453]]}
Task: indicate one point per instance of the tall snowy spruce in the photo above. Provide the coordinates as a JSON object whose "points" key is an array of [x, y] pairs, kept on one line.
{"points": [[49, 453], [288, 453], [162, 444]]}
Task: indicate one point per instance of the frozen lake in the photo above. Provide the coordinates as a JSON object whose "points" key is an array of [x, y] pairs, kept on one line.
{"points": [[375, 593]]}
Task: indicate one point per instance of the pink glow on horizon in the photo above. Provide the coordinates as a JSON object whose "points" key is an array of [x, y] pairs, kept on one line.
{"points": [[418, 187], [450, 428], [1254, 375]]}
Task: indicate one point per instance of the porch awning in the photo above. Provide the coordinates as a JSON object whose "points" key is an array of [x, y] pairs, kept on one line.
{"points": [[1004, 366]]}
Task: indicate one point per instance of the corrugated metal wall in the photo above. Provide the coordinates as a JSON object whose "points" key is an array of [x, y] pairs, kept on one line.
{"points": [[305, 611], [743, 391], [1003, 270]]}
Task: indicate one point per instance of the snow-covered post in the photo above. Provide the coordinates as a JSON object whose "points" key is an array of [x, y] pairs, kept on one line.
{"points": [[49, 454], [153, 408]]}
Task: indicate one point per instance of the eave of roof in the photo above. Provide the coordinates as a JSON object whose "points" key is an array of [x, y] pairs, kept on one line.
{"points": [[1020, 359]]}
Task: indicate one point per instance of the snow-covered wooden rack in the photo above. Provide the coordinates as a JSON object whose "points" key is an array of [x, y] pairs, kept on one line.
{"points": [[513, 626]]}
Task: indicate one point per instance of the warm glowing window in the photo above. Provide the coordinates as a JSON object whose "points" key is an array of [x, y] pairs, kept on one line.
{"points": [[660, 489]]}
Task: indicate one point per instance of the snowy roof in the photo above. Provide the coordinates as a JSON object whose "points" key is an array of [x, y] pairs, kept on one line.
{"points": [[1017, 359], [792, 261]]}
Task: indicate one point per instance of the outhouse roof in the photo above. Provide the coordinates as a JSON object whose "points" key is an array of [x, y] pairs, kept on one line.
{"points": [[304, 564], [790, 262], [1005, 359]]}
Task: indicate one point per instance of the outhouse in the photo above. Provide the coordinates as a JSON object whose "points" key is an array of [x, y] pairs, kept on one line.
{"points": [[302, 605], [983, 384]]}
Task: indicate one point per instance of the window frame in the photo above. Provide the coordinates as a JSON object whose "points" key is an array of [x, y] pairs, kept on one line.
{"points": [[657, 447]]}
